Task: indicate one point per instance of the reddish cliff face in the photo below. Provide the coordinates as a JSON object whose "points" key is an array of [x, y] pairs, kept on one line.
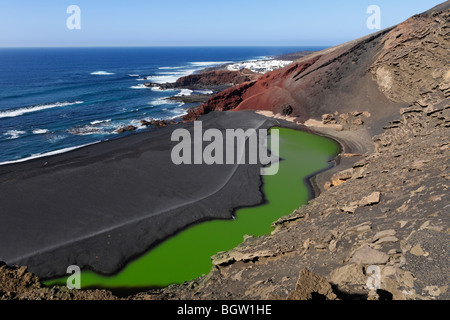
{"points": [[214, 78], [363, 74], [267, 92]]}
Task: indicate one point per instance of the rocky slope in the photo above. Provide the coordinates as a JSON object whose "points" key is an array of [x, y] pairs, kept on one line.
{"points": [[386, 209], [381, 214]]}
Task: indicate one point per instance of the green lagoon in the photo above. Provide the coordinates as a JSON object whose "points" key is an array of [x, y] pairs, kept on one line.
{"points": [[187, 255]]}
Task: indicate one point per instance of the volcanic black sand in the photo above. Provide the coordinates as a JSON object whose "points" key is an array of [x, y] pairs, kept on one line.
{"points": [[101, 205]]}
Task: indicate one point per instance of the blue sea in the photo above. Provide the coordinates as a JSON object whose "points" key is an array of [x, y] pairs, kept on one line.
{"points": [[55, 99]]}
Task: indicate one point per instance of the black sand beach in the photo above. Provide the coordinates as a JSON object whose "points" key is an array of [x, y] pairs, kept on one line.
{"points": [[101, 205]]}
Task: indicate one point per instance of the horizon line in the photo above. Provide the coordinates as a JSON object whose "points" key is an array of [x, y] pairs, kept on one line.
{"points": [[160, 46]]}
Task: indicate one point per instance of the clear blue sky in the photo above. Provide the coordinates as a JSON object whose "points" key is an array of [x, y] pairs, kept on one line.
{"points": [[196, 22]]}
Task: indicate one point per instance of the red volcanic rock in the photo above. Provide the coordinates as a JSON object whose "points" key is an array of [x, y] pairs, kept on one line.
{"points": [[154, 123], [215, 78], [223, 101], [265, 93], [126, 128]]}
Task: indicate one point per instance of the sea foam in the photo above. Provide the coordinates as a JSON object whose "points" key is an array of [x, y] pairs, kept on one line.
{"points": [[40, 131], [14, 134], [204, 91], [21, 111], [162, 101], [185, 92], [100, 121], [101, 73], [139, 86]]}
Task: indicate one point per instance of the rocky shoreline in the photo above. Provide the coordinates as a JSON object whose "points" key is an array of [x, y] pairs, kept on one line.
{"points": [[400, 228], [217, 79]]}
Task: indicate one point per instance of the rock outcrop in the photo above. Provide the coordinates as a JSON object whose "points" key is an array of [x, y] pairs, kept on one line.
{"points": [[126, 128], [207, 80]]}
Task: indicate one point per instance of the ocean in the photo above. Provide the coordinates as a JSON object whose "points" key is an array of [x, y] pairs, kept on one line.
{"points": [[53, 100]]}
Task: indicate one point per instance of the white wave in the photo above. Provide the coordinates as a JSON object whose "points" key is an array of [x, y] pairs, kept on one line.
{"points": [[204, 91], [170, 77], [172, 114], [51, 153], [101, 73], [99, 121], [161, 101], [160, 89], [97, 127], [133, 75], [164, 79], [176, 113], [185, 92], [40, 131], [167, 78], [14, 134], [138, 124], [18, 112], [139, 86]]}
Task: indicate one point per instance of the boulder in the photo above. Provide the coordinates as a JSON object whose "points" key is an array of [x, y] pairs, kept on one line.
{"points": [[383, 234], [311, 286], [342, 176], [126, 128], [358, 122], [369, 256], [328, 118], [371, 199]]}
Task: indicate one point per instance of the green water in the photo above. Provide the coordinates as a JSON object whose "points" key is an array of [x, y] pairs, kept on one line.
{"points": [[186, 255]]}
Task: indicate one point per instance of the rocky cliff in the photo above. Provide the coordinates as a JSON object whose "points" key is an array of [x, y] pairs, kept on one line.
{"points": [[402, 64]]}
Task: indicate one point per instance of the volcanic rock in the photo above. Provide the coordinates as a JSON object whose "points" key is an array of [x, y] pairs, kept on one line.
{"points": [[125, 129]]}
